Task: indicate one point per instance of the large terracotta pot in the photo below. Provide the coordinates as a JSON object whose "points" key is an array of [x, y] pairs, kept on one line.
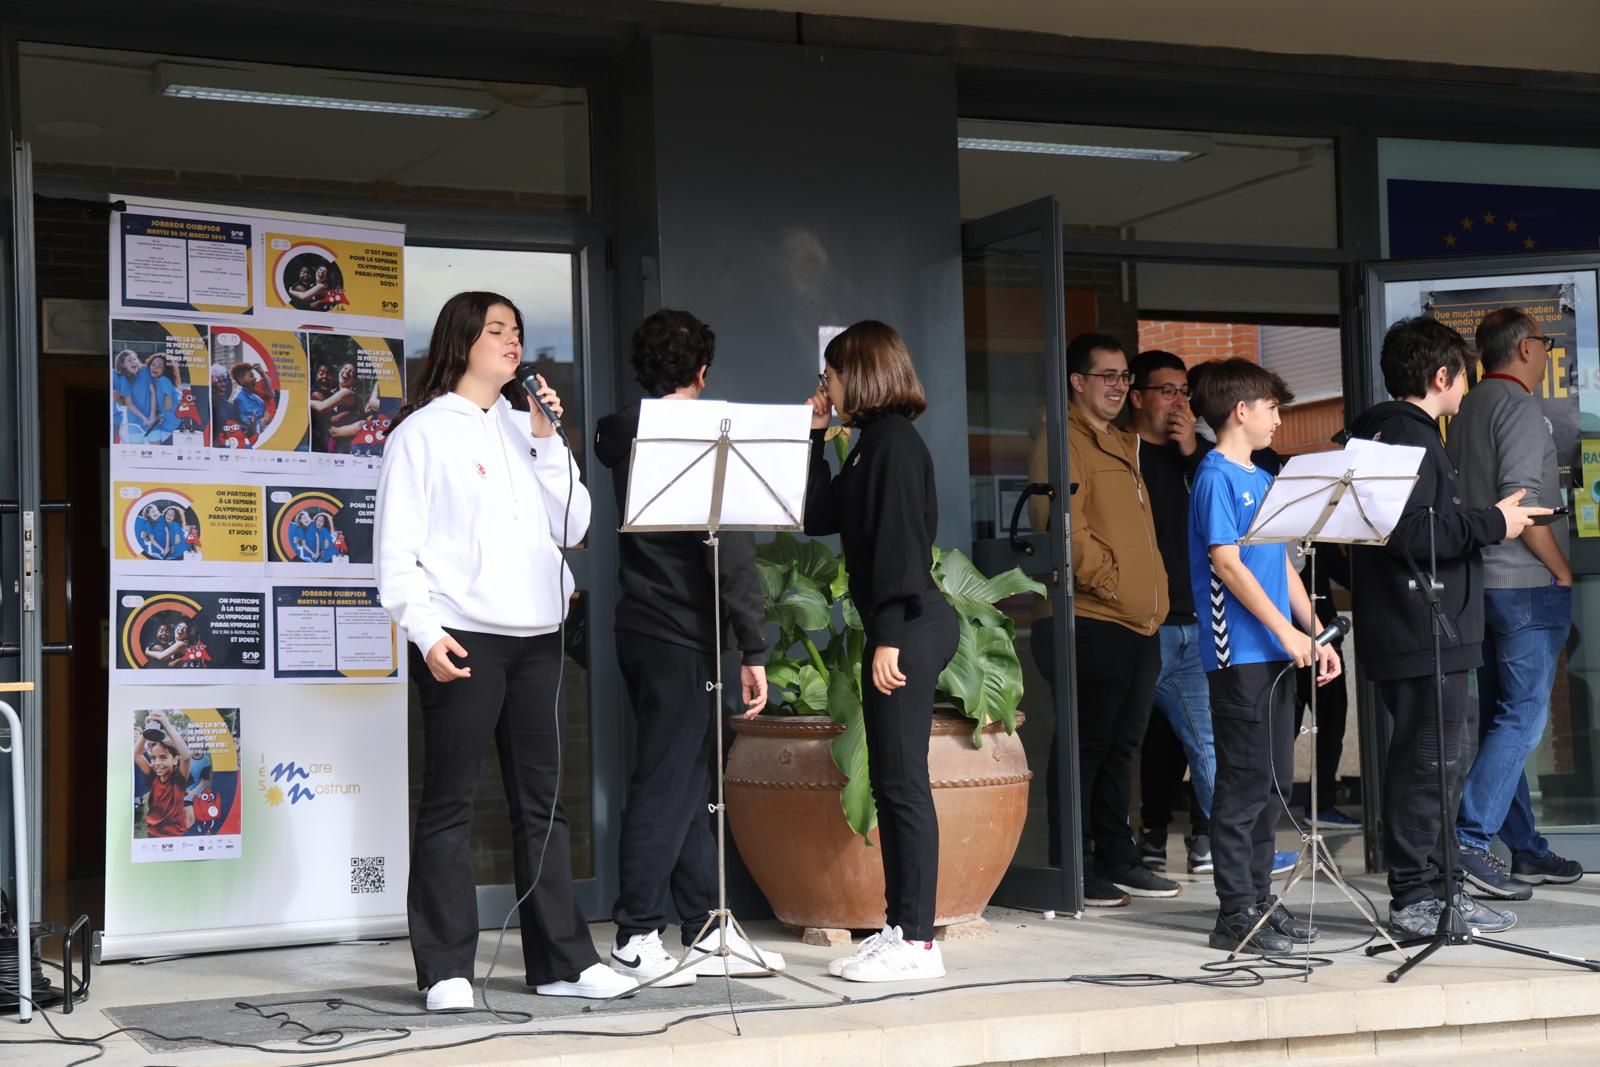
{"points": [[783, 809]]}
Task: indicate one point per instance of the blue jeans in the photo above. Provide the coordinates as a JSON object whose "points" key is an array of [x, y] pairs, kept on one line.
{"points": [[1185, 699], [1524, 631]]}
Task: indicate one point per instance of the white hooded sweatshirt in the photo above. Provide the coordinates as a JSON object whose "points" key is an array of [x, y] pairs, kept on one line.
{"points": [[470, 511]]}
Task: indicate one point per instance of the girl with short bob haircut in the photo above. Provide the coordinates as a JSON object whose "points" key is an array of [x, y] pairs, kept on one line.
{"points": [[884, 508]]}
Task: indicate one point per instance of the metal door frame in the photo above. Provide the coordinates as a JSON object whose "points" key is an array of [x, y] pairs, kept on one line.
{"points": [[1046, 888]]}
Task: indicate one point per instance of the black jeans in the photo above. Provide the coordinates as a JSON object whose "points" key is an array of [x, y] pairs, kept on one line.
{"points": [[668, 847], [1117, 670], [1255, 742], [511, 698], [897, 728], [1412, 842], [1333, 707]]}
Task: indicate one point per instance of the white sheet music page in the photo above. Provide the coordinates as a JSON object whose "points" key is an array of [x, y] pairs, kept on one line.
{"points": [[1382, 477]]}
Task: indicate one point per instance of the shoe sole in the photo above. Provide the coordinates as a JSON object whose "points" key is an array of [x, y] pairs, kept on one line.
{"points": [[1204, 868], [1489, 890], [923, 977], [1150, 894], [714, 967], [1120, 902], [584, 994], [1547, 879], [1493, 929], [1228, 944], [668, 980]]}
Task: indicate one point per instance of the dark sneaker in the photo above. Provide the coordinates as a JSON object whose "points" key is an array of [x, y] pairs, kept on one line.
{"points": [[1153, 849], [1100, 893], [1287, 923], [1416, 920], [1199, 847], [1334, 819], [1482, 918], [1230, 930], [1487, 873], [1141, 881], [1283, 862], [1545, 868]]}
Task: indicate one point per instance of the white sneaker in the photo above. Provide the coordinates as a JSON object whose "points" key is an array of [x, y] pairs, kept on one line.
{"points": [[597, 982], [897, 961], [644, 958], [452, 994], [715, 966], [836, 967]]}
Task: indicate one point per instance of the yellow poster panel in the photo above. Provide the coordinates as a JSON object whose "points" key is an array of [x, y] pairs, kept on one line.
{"points": [[326, 275], [261, 384], [187, 523]]}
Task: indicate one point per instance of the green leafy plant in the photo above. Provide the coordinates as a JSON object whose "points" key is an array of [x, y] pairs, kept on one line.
{"points": [[817, 668]]}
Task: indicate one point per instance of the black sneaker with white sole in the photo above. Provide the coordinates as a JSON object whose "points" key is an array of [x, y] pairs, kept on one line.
{"points": [[1098, 892], [1199, 847], [1141, 881], [1153, 849], [1545, 868]]}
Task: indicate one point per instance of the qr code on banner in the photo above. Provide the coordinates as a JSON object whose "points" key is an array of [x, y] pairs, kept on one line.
{"points": [[366, 874]]}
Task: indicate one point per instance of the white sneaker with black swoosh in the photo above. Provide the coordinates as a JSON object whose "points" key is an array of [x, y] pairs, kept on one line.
{"points": [[643, 957]]}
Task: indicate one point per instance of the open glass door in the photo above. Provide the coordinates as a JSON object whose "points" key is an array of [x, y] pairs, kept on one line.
{"points": [[1563, 773], [1016, 404]]}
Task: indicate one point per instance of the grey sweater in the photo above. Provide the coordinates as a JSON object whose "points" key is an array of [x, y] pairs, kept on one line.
{"points": [[1501, 442]]}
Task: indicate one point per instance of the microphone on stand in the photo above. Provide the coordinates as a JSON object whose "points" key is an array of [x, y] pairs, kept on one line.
{"points": [[1335, 630], [528, 378]]}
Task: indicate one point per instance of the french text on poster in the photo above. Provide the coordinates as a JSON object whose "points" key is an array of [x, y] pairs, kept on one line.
{"points": [[181, 261], [187, 802], [160, 394], [173, 526], [199, 632], [341, 276], [334, 633], [320, 531]]}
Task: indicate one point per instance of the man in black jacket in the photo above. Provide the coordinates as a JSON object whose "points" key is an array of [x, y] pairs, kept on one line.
{"points": [[1424, 368], [666, 648]]}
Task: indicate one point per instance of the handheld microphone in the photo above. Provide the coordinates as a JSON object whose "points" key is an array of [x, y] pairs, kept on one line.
{"points": [[1336, 629], [528, 378]]}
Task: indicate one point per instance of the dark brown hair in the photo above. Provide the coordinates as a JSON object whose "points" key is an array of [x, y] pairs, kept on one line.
{"points": [[1215, 391], [455, 331], [875, 368]]}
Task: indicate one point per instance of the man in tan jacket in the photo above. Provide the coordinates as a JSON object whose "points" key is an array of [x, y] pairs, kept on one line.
{"points": [[1119, 603]]}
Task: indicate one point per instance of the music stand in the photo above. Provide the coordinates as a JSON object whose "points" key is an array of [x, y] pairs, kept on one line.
{"points": [[706, 466], [1354, 496]]}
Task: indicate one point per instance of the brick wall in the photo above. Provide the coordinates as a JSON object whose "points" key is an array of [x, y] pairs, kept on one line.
{"points": [[1306, 427]]}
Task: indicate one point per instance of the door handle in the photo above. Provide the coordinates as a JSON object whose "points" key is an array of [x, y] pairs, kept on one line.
{"points": [[1031, 489]]}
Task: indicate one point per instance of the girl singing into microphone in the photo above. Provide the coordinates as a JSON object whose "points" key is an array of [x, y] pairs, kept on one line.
{"points": [[476, 500], [883, 507]]}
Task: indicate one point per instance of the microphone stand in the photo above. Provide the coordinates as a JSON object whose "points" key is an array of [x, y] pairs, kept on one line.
{"points": [[1452, 928]]}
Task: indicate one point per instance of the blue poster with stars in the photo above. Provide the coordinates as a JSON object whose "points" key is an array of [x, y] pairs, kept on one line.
{"points": [[1473, 219]]}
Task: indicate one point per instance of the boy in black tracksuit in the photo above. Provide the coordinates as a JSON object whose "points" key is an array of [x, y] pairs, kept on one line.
{"points": [[1424, 368], [666, 649]]}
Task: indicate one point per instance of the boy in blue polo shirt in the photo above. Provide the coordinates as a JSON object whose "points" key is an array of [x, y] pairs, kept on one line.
{"points": [[1245, 600]]}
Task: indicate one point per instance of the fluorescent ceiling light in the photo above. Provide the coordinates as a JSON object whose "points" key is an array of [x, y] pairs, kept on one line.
{"points": [[326, 103], [1052, 148]]}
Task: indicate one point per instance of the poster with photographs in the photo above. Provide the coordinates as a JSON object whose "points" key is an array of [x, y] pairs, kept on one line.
{"points": [[190, 637], [255, 371], [176, 526], [187, 803], [160, 400], [320, 532]]}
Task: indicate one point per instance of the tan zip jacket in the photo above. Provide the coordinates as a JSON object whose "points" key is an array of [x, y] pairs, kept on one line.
{"points": [[1117, 571]]}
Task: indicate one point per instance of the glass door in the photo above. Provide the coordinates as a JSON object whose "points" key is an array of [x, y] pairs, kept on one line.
{"points": [[1016, 407], [1563, 772]]}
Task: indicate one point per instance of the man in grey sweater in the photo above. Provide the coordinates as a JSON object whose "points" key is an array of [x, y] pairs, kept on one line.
{"points": [[1501, 442]]}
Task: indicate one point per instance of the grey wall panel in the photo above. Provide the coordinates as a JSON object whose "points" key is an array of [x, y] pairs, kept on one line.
{"points": [[799, 187]]}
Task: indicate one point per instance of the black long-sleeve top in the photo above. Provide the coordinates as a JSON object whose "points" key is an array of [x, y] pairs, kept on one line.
{"points": [[665, 578], [884, 507], [1394, 628]]}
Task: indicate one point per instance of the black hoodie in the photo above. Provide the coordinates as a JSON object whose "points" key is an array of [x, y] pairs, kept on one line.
{"points": [[665, 578], [1394, 629]]}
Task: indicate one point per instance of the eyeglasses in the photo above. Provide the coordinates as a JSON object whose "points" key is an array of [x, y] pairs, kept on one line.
{"points": [[1166, 389], [1110, 377], [1548, 342]]}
